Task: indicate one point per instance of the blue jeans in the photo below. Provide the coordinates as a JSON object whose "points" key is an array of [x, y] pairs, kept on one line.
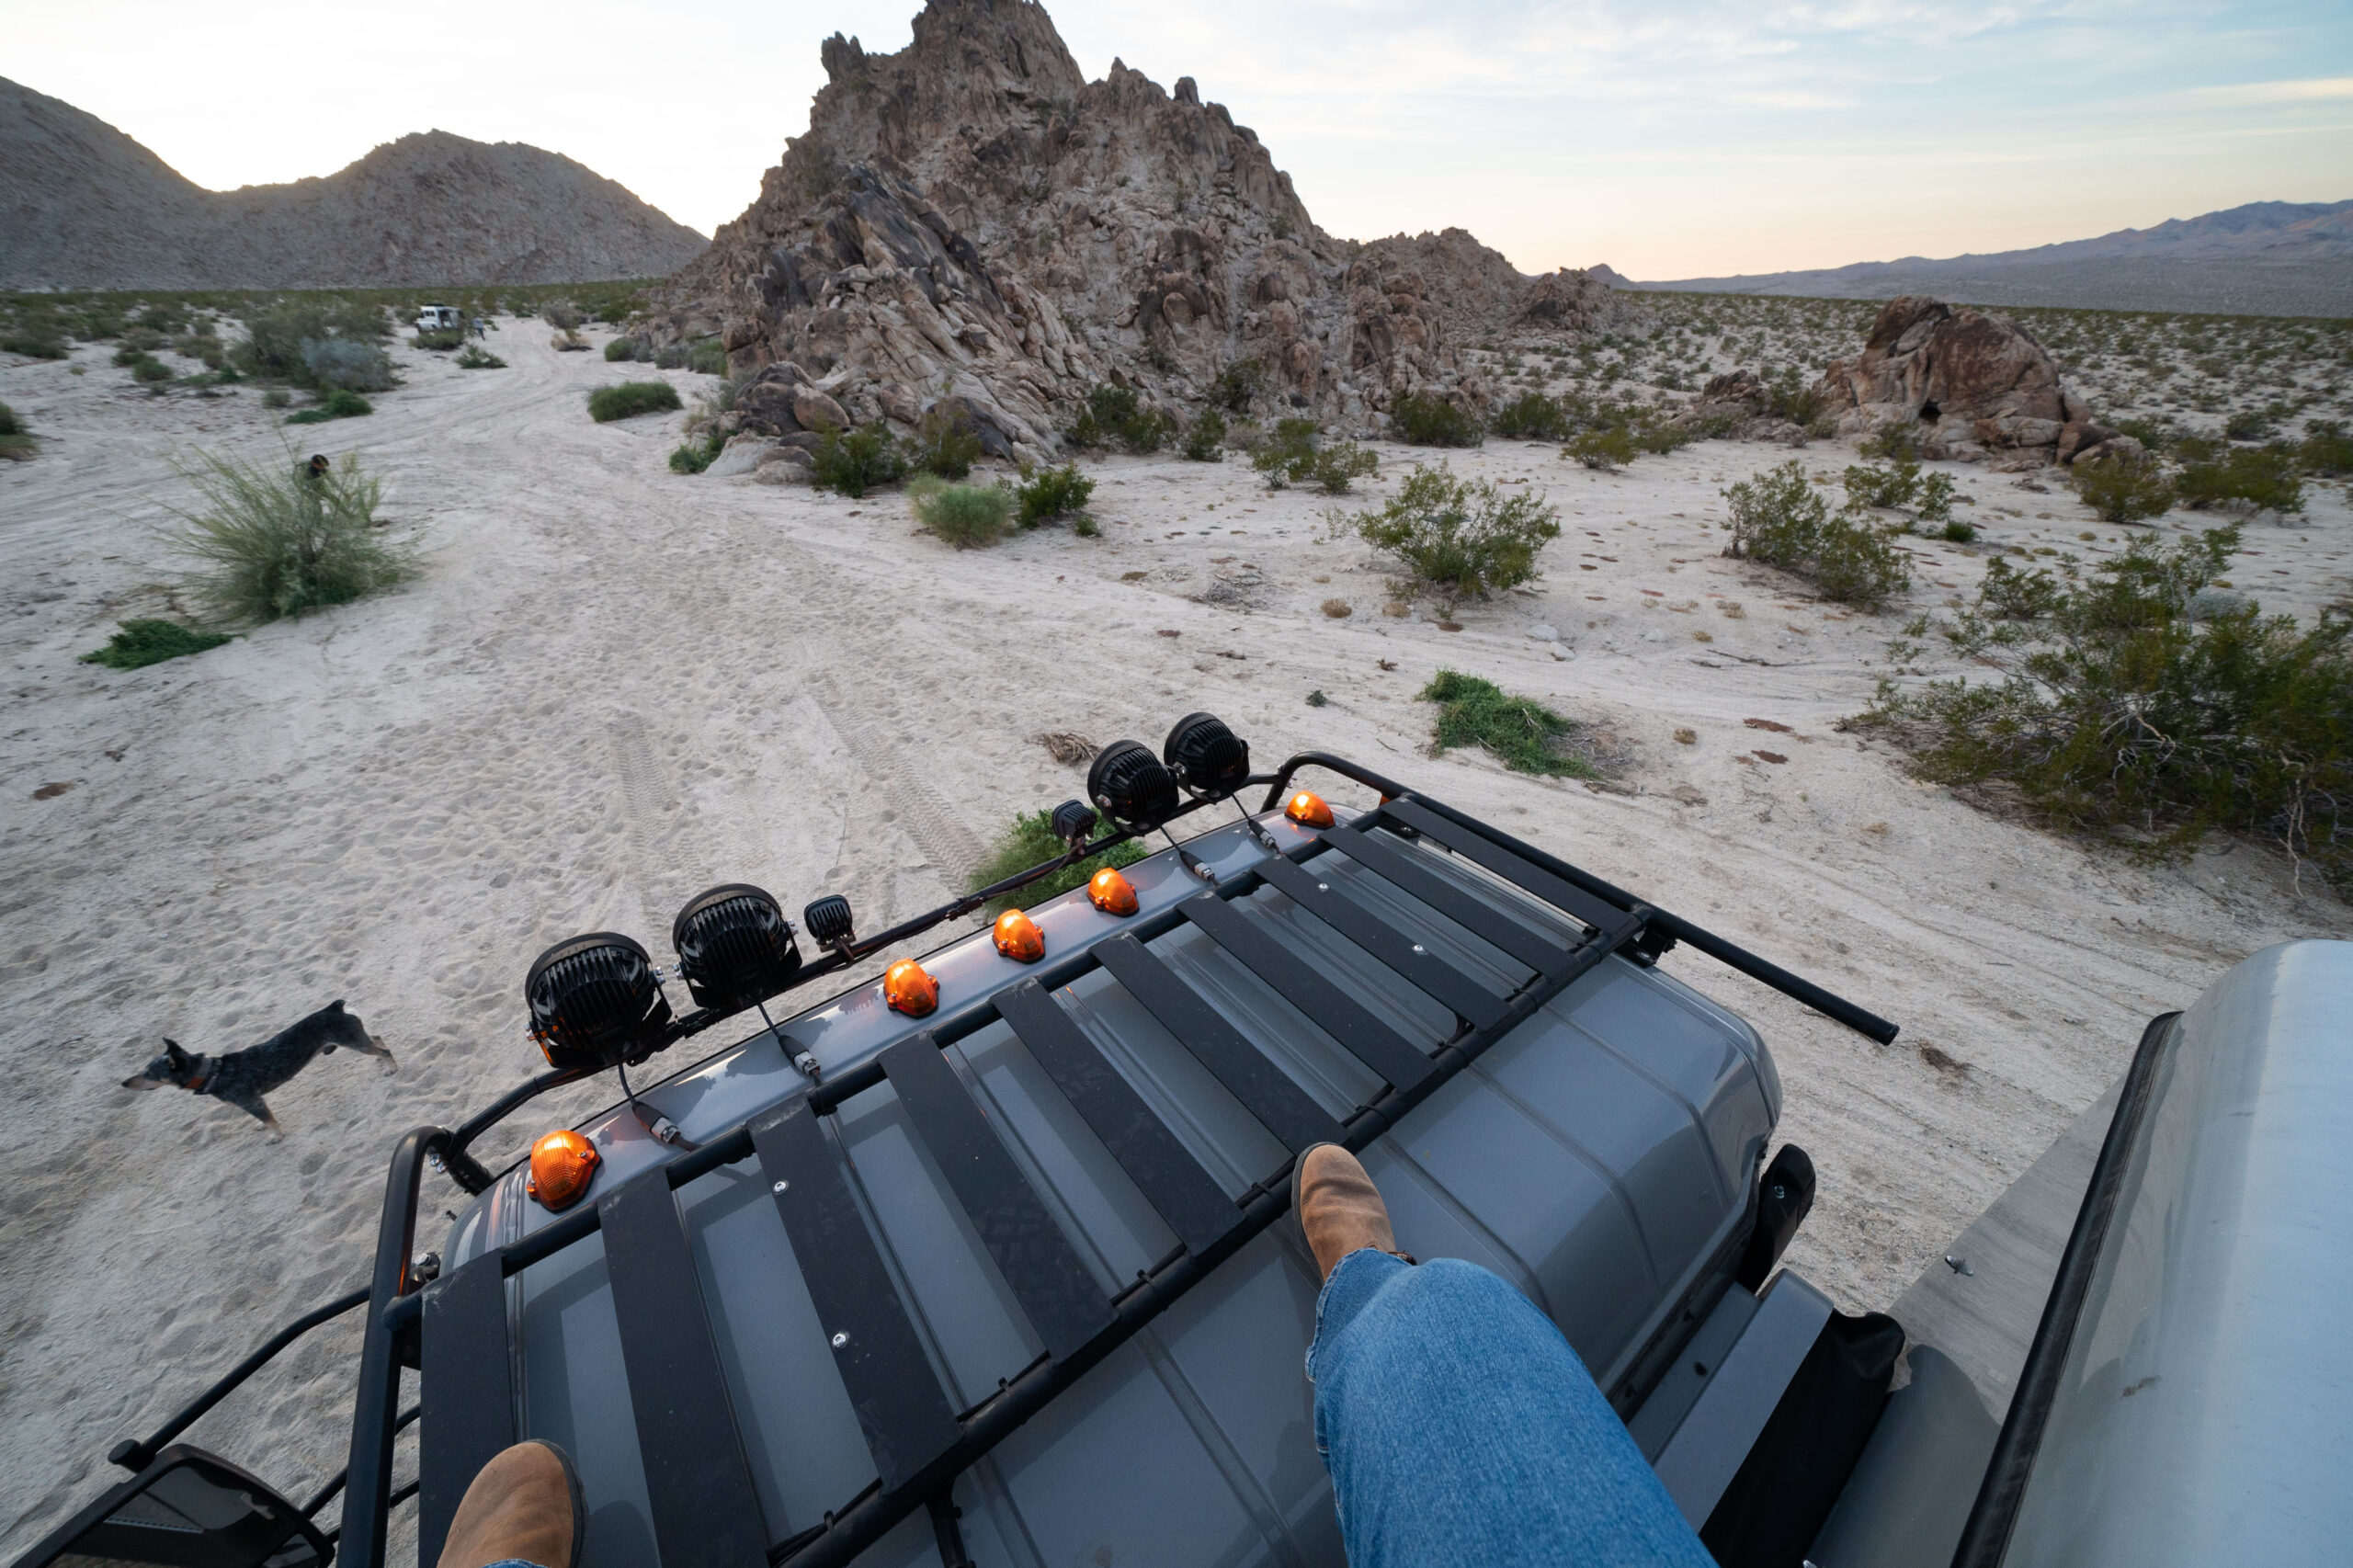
{"points": [[1460, 1428]]}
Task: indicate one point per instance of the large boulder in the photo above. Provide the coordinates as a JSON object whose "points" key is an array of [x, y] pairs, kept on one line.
{"points": [[764, 405], [1975, 383]]}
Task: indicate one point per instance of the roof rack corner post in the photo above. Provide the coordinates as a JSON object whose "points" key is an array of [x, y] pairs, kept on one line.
{"points": [[375, 1410]]}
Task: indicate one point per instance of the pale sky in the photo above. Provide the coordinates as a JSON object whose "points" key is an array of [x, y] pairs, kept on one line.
{"points": [[1671, 139]]}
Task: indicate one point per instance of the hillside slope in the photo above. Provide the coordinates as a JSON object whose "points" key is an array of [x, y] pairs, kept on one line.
{"points": [[83, 206], [2264, 258]]}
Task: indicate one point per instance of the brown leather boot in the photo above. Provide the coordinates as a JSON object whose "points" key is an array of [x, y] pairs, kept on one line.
{"points": [[1338, 1207], [526, 1504]]}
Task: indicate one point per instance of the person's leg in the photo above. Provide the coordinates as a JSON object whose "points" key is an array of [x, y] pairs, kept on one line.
{"points": [[1458, 1424]]}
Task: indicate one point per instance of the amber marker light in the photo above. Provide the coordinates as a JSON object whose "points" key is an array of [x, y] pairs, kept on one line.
{"points": [[1308, 810], [909, 988], [1111, 892], [563, 1166], [1019, 938]]}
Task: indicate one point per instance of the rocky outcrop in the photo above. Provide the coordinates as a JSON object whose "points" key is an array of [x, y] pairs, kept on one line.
{"points": [[969, 221], [83, 206], [1975, 385], [1481, 295]]}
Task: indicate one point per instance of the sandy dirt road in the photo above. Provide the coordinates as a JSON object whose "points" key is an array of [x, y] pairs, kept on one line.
{"points": [[614, 686]]}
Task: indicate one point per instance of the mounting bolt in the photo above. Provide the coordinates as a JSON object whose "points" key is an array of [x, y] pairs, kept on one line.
{"points": [[1419, 948], [780, 1187], [840, 1340]]}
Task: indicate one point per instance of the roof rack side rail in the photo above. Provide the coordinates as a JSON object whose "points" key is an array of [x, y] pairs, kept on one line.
{"points": [[1730, 954]]}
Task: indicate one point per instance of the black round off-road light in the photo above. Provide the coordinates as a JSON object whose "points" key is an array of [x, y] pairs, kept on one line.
{"points": [[735, 947], [828, 920], [596, 1002], [1210, 760], [1128, 785]]}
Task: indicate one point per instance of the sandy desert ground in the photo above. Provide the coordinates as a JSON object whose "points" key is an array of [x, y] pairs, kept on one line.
{"points": [[614, 686]]}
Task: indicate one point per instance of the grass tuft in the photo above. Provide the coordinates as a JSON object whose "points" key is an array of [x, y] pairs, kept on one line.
{"points": [[340, 402], [272, 543], [1518, 732], [146, 642], [1029, 840], [962, 515]]}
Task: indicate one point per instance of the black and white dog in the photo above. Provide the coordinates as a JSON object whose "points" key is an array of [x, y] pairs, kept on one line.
{"points": [[241, 1077]]}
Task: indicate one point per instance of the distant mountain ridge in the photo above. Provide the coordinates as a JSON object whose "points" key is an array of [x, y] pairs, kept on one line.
{"points": [[2264, 258], [83, 206]]}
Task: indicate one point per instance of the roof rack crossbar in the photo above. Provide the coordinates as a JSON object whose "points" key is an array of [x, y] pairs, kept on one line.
{"points": [[468, 1389], [1172, 1181], [1383, 856], [698, 1487], [1337, 906]]}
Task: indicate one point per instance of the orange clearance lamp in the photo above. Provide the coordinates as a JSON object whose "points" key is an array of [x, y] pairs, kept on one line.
{"points": [[1019, 938], [1111, 892], [909, 988], [1308, 810], [563, 1166]]}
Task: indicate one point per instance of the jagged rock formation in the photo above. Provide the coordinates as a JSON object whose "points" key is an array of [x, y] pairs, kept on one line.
{"points": [[970, 217], [1975, 385], [83, 206], [1481, 295]]}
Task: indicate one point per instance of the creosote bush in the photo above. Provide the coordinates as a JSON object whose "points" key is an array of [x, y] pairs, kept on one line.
{"points": [[2135, 705], [1455, 536], [854, 461], [339, 403], [1296, 453], [628, 399], [2261, 476], [2122, 491], [1531, 416], [1205, 442], [1894, 486], [1029, 840], [1045, 493], [1603, 449], [140, 642], [962, 515], [1426, 419], [1778, 519], [1518, 732], [943, 445], [275, 542], [1114, 417]]}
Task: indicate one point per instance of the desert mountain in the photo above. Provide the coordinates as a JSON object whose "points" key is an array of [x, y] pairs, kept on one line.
{"points": [[972, 217], [83, 206], [2266, 258]]}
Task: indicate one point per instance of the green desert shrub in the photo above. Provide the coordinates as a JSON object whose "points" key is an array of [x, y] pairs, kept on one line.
{"points": [[146, 367], [1518, 732], [1932, 501], [693, 457], [1114, 417], [474, 357], [1958, 532], [278, 397], [439, 341], [140, 642], [1045, 493], [1458, 537], [2327, 450], [707, 359], [2247, 425], [336, 405], [563, 315], [273, 542], [2262, 476], [1788, 395], [278, 335], [2009, 594], [1894, 442], [621, 350], [16, 443], [1029, 840], [1295, 452], [1205, 442], [32, 346], [1602, 449], [1780, 520], [1237, 385], [629, 399], [2126, 713], [855, 460], [2125, 491], [961, 514], [669, 356], [1426, 419], [1660, 439], [1531, 416], [346, 364], [943, 445], [1894, 486]]}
